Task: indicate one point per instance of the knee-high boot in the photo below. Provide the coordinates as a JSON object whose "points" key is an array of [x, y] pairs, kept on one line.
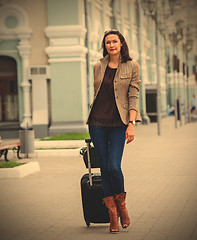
{"points": [[124, 217], [111, 205]]}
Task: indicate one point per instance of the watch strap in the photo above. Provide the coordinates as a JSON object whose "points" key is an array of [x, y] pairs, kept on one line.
{"points": [[132, 122]]}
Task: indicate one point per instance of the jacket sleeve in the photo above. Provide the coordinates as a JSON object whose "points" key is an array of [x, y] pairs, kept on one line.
{"points": [[134, 87], [94, 79]]}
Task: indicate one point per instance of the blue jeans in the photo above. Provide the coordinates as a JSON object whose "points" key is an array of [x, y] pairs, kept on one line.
{"points": [[109, 145]]}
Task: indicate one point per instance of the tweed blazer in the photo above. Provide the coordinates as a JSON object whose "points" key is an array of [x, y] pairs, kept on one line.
{"points": [[126, 87]]}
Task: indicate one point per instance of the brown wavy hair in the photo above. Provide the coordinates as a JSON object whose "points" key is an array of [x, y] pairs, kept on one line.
{"points": [[124, 48]]}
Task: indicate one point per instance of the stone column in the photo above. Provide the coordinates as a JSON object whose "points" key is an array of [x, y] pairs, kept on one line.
{"points": [[66, 32], [152, 64], [24, 50], [143, 67], [134, 52], [40, 110]]}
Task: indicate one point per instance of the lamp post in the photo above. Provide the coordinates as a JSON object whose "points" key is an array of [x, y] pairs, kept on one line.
{"points": [[174, 38], [151, 8]]}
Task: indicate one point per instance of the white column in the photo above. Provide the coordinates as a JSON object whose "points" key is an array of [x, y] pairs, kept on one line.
{"points": [[122, 24], [104, 15], [24, 50], [134, 51], [152, 52], [40, 101], [143, 66]]}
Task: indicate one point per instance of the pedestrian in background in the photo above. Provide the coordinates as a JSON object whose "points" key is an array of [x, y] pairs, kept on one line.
{"points": [[178, 104], [193, 108], [112, 119]]}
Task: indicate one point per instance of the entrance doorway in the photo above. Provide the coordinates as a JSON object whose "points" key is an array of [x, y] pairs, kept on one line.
{"points": [[8, 90]]}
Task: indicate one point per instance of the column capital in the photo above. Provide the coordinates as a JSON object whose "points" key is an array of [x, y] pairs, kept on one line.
{"points": [[24, 45], [24, 50]]}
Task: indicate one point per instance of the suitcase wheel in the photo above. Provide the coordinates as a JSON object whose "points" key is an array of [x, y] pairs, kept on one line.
{"points": [[88, 224]]}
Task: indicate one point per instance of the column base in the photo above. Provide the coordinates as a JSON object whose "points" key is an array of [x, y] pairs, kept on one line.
{"points": [[27, 123], [41, 130], [145, 119], [64, 127]]}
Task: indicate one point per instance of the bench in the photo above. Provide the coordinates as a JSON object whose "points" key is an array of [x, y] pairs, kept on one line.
{"points": [[4, 147]]}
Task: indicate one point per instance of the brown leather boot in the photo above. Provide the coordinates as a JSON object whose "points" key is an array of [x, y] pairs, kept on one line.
{"points": [[124, 217], [113, 214]]}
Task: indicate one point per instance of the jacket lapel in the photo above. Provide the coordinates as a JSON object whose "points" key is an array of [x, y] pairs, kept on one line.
{"points": [[104, 62], [121, 68]]}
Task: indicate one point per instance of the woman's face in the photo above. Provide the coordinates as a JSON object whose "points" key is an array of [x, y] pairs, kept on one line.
{"points": [[113, 44]]}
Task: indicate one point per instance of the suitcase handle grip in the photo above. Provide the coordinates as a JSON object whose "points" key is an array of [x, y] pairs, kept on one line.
{"points": [[88, 140]]}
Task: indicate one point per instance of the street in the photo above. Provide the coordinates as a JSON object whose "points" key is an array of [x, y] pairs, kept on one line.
{"points": [[160, 179]]}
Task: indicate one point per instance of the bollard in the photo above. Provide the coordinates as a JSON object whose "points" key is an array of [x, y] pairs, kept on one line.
{"points": [[27, 141]]}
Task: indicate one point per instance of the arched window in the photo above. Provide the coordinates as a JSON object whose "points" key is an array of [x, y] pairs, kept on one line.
{"points": [[8, 90]]}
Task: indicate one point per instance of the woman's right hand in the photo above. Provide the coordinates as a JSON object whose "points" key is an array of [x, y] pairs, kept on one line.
{"points": [[129, 135]]}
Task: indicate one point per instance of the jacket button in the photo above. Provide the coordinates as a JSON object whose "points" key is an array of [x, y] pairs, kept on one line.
{"points": [[117, 97]]}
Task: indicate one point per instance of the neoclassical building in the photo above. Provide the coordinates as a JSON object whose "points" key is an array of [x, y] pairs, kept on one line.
{"points": [[48, 49]]}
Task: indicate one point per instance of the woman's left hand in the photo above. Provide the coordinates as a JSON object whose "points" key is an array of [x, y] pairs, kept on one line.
{"points": [[130, 133]]}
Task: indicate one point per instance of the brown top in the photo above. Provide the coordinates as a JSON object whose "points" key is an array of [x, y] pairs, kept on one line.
{"points": [[104, 111]]}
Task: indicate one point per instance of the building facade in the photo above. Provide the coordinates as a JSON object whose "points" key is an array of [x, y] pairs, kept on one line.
{"points": [[48, 49]]}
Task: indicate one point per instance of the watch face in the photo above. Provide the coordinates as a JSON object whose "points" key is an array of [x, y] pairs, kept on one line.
{"points": [[132, 122]]}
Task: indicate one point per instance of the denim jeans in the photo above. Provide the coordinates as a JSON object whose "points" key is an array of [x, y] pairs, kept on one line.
{"points": [[109, 145]]}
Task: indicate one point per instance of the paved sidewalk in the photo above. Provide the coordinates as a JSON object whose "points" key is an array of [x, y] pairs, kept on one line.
{"points": [[160, 178]]}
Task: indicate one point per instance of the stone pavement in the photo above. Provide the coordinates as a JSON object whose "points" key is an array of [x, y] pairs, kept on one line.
{"points": [[160, 179]]}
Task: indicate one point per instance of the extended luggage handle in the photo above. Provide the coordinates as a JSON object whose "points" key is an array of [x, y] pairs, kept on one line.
{"points": [[88, 141]]}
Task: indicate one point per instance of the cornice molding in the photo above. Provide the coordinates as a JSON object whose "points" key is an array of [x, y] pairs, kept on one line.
{"points": [[66, 51], [22, 33], [66, 43], [67, 59], [65, 31]]}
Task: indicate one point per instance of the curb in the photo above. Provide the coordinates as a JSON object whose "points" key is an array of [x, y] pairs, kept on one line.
{"points": [[57, 153], [62, 144], [62, 148], [47, 153], [20, 171]]}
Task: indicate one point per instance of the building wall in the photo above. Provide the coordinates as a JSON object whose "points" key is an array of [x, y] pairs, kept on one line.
{"points": [[37, 17], [56, 38]]}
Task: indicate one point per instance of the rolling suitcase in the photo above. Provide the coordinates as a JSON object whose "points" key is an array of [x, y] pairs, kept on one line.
{"points": [[94, 210]]}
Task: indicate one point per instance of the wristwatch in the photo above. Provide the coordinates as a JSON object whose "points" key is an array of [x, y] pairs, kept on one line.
{"points": [[132, 122]]}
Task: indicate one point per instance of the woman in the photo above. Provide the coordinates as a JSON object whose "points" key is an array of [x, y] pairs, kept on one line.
{"points": [[112, 119]]}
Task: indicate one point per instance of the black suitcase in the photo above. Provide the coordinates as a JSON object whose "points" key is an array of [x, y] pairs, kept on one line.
{"points": [[94, 210]]}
